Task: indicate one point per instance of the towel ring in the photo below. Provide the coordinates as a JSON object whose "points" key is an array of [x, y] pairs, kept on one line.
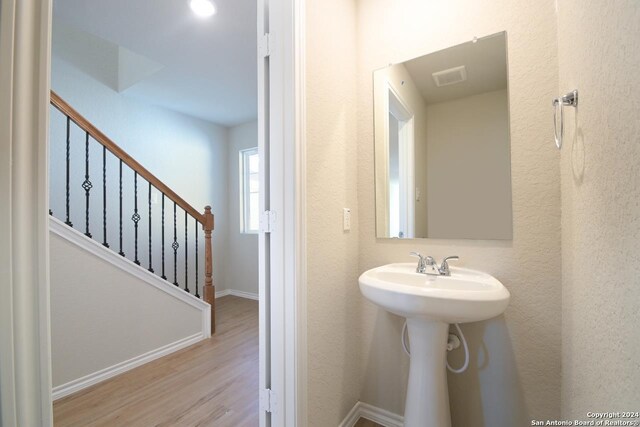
{"points": [[568, 100]]}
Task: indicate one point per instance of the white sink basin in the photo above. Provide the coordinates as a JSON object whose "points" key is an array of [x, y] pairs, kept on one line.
{"points": [[465, 296], [430, 304]]}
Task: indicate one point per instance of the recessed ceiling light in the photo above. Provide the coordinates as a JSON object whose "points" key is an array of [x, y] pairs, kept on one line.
{"points": [[202, 8]]}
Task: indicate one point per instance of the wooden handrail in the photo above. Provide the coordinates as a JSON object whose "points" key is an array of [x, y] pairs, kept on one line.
{"points": [[96, 134]]}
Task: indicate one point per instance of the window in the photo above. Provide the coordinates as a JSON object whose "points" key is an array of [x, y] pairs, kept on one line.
{"points": [[249, 191]]}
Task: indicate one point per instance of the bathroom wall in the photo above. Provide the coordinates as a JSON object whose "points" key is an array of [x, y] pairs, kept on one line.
{"points": [[334, 301], [515, 367], [599, 56]]}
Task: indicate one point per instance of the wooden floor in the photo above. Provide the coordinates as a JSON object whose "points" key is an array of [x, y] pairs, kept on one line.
{"points": [[212, 383], [363, 422]]}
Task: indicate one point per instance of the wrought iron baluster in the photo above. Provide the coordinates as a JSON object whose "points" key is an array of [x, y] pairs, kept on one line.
{"points": [[86, 184], [186, 253], [68, 153], [163, 275], [175, 246], [104, 197], [197, 295], [135, 217], [121, 252], [150, 263]]}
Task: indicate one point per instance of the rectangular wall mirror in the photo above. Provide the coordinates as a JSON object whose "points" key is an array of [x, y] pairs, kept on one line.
{"points": [[442, 150]]}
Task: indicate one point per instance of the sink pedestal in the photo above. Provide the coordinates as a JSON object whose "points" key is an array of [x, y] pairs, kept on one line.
{"points": [[427, 403]]}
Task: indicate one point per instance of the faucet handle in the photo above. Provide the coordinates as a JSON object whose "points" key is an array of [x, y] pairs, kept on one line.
{"points": [[427, 260], [424, 262], [444, 267]]}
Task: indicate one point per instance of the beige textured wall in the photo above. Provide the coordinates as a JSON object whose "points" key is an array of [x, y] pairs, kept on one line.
{"points": [[599, 55], [334, 300], [515, 367]]}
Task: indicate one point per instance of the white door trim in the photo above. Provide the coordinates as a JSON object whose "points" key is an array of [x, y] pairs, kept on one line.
{"points": [[407, 175], [25, 365], [298, 311], [264, 380], [285, 133], [398, 107]]}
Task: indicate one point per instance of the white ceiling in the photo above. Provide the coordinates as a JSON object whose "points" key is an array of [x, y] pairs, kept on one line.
{"points": [[485, 62], [208, 66]]}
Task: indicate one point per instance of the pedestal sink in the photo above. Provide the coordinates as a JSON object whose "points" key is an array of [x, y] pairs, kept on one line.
{"points": [[430, 303]]}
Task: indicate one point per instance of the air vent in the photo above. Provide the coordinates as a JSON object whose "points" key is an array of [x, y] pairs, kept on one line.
{"points": [[450, 76]]}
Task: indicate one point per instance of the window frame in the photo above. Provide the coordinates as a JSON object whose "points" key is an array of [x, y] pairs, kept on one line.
{"points": [[245, 190]]}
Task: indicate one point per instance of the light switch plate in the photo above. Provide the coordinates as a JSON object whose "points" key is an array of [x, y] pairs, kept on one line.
{"points": [[346, 219]]}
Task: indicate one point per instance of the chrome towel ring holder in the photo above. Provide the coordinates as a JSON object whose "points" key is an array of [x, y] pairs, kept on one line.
{"points": [[568, 100]]}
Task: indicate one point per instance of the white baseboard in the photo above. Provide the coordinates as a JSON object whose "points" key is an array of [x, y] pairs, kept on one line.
{"points": [[352, 417], [372, 413], [222, 293], [119, 368], [241, 294]]}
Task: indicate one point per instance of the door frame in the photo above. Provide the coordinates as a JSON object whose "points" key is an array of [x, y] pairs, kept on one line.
{"points": [[25, 365], [282, 83], [397, 107]]}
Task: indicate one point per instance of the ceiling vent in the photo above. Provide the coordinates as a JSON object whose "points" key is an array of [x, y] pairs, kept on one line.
{"points": [[450, 76]]}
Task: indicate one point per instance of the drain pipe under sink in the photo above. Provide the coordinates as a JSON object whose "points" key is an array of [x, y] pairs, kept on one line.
{"points": [[452, 344]]}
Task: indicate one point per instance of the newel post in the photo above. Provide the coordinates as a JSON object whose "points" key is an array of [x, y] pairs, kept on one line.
{"points": [[208, 289]]}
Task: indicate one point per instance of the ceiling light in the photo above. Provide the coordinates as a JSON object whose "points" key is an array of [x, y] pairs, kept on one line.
{"points": [[202, 8]]}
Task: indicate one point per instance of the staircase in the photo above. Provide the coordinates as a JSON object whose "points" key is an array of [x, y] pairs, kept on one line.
{"points": [[121, 225], [168, 196]]}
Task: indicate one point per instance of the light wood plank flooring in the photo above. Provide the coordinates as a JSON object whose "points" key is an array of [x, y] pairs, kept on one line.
{"points": [[363, 422], [212, 383]]}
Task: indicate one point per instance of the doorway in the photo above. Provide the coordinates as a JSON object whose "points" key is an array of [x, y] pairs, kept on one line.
{"points": [[26, 350], [401, 166], [148, 125]]}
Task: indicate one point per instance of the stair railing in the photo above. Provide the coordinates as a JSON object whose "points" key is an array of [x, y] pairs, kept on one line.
{"points": [[205, 220]]}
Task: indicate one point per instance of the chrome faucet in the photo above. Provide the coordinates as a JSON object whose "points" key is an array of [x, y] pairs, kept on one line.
{"points": [[428, 265], [424, 262]]}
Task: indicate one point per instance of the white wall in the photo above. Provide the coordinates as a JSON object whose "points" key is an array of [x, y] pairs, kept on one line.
{"points": [[515, 358], [599, 56], [469, 168], [334, 301], [102, 315], [187, 154], [242, 249]]}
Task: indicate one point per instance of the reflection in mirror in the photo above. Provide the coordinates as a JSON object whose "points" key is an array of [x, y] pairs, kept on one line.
{"points": [[442, 153]]}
